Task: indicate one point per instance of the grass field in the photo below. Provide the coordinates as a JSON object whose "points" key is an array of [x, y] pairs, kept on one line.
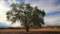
{"points": [[47, 30]]}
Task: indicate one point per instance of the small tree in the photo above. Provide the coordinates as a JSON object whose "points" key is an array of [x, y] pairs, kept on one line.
{"points": [[28, 15]]}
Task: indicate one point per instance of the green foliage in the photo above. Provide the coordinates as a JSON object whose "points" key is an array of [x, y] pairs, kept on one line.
{"points": [[28, 15]]}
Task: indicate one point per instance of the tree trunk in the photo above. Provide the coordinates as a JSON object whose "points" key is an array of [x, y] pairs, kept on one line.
{"points": [[27, 27]]}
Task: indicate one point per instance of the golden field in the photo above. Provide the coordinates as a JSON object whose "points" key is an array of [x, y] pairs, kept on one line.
{"points": [[31, 29]]}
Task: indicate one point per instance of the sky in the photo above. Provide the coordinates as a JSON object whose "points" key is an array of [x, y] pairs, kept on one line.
{"points": [[51, 7]]}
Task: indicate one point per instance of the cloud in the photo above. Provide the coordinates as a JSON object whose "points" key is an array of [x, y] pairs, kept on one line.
{"points": [[52, 9], [17, 24], [52, 13], [52, 20], [3, 25], [4, 7], [14, 1], [50, 6], [47, 5]]}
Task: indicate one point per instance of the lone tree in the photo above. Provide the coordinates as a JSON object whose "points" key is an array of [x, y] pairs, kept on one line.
{"points": [[27, 15]]}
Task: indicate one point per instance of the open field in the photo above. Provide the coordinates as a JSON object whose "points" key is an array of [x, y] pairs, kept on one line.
{"points": [[31, 29], [47, 30]]}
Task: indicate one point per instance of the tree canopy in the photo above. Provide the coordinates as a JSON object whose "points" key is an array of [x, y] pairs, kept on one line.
{"points": [[26, 14]]}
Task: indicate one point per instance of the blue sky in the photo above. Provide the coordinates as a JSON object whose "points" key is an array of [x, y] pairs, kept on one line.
{"points": [[3, 25], [51, 7]]}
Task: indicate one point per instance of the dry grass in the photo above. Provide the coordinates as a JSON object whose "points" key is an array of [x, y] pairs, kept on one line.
{"points": [[32, 29]]}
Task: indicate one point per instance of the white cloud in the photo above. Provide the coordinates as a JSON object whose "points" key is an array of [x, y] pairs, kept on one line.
{"points": [[17, 24], [11, 1], [52, 20], [47, 5], [3, 9]]}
